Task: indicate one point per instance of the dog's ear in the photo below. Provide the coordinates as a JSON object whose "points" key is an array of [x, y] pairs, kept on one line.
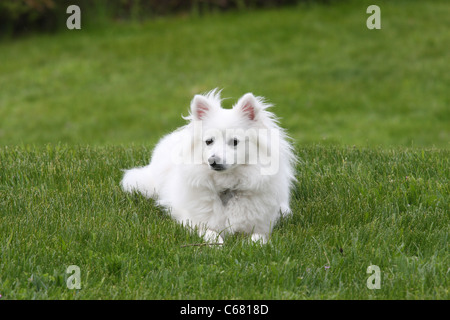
{"points": [[200, 107], [249, 106]]}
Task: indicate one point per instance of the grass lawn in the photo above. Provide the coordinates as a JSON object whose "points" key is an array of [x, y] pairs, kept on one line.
{"points": [[333, 80], [368, 109], [353, 208]]}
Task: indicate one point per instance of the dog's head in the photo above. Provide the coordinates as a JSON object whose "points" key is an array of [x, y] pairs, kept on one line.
{"points": [[231, 137]]}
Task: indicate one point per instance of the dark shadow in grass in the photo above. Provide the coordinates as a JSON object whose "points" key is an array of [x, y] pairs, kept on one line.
{"points": [[145, 207]]}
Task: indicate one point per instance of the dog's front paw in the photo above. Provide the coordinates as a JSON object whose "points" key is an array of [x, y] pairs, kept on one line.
{"points": [[211, 236], [259, 238]]}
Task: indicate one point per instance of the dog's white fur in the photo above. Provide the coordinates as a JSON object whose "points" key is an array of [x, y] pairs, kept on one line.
{"points": [[219, 196]]}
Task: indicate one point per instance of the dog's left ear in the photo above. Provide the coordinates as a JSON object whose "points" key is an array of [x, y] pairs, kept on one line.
{"points": [[249, 106]]}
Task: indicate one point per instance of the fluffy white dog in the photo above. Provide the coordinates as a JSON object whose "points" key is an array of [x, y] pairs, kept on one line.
{"points": [[226, 171]]}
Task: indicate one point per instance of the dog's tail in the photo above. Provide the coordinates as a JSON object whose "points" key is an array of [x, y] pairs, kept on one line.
{"points": [[139, 180]]}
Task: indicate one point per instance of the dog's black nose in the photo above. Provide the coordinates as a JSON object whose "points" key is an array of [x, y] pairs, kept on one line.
{"points": [[214, 165]]}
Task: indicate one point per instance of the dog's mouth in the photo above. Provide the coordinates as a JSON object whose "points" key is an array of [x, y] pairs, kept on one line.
{"points": [[217, 167]]}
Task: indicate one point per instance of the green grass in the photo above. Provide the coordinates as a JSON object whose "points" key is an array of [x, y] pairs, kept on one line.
{"points": [[62, 205], [333, 80], [368, 111]]}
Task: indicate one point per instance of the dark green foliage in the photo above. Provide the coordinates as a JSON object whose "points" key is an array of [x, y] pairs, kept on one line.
{"points": [[23, 16]]}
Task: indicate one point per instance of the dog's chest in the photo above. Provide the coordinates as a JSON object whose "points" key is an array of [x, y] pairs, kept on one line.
{"points": [[227, 195]]}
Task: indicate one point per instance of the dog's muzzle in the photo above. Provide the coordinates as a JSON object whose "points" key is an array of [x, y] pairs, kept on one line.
{"points": [[214, 165]]}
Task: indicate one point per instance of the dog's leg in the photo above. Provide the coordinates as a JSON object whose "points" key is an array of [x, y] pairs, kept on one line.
{"points": [[259, 237], [211, 236]]}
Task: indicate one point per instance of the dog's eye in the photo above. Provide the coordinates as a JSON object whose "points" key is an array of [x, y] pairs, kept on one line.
{"points": [[209, 141]]}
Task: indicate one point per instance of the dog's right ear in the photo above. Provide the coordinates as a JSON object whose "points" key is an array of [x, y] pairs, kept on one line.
{"points": [[200, 107]]}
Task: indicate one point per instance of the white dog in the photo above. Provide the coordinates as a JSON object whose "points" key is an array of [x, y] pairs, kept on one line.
{"points": [[226, 171]]}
